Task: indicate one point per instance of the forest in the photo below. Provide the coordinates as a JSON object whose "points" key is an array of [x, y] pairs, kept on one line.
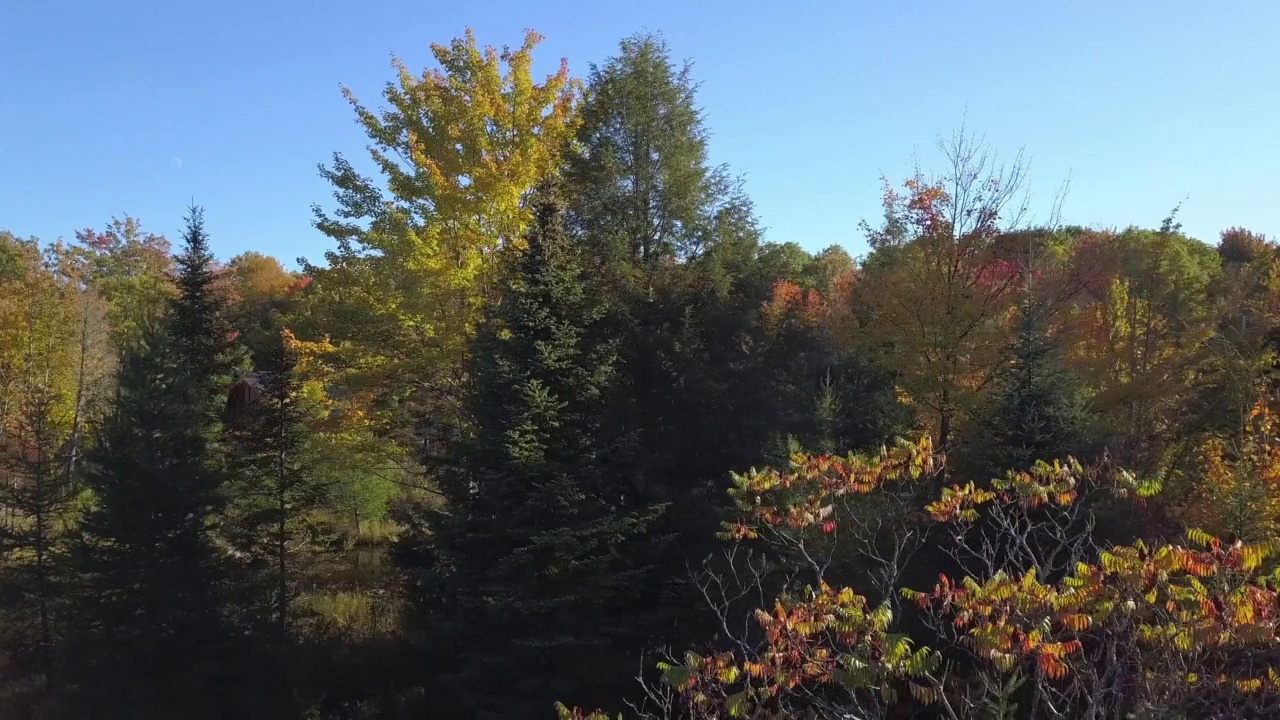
{"points": [[552, 431]]}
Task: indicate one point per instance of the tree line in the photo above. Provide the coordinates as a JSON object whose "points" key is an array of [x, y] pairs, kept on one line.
{"points": [[553, 429]]}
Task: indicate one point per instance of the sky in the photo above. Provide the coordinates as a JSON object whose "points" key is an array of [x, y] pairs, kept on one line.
{"points": [[140, 108]]}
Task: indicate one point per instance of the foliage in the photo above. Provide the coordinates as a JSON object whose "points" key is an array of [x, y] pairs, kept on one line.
{"points": [[1131, 629], [274, 491], [40, 404], [132, 270], [260, 294], [942, 277], [475, 459], [359, 470], [537, 546], [459, 150], [1237, 488], [1034, 410], [151, 571]]}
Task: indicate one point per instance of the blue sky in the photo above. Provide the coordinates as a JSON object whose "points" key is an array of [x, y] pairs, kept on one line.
{"points": [[139, 107]]}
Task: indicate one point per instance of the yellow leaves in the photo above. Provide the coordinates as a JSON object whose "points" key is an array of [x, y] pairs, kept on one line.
{"points": [[925, 694], [1249, 685], [802, 498], [460, 148], [1200, 537], [1076, 622], [1234, 488]]}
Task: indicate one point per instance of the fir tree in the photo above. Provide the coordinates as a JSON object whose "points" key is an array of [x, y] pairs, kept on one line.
{"points": [[539, 567], [152, 640]]}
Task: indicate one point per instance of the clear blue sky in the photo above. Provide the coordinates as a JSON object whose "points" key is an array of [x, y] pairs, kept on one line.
{"points": [[137, 107]]}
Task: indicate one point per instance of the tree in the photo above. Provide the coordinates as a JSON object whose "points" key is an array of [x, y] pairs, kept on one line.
{"points": [[672, 242], [132, 270], [261, 291], [459, 150], [644, 191], [39, 391], [1035, 409], [152, 637], [540, 561], [937, 289], [274, 489], [1136, 336], [1234, 491]]}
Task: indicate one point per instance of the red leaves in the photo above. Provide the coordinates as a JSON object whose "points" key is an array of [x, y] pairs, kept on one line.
{"points": [[801, 499], [790, 302]]}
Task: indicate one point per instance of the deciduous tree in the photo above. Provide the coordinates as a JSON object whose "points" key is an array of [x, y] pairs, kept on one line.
{"points": [[458, 150]]}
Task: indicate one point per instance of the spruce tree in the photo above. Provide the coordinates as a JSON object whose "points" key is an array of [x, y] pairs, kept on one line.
{"points": [[38, 496], [674, 246], [539, 562], [273, 489], [1034, 411], [152, 640]]}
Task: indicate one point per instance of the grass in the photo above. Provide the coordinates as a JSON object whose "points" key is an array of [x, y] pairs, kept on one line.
{"points": [[352, 614]]}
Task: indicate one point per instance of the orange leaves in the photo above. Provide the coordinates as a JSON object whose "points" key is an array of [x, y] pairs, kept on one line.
{"points": [[1237, 491], [800, 499], [790, 302], [827, 640], [1050, 659], [1171, 599], [927, 206], [1076, 622]]}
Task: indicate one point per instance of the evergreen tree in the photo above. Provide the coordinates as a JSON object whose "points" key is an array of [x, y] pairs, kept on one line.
{"points": [[674, 246], [1035, 410], [645, 193], [673, 241], [541, 559], [274, 487], [37, 495], [152, 640], [199, 332]]}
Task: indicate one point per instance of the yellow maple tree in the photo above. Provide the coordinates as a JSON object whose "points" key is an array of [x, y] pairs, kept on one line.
{"points": [[459, 150]]}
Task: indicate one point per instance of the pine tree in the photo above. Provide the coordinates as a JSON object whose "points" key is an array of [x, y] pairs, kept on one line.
{"points": [[1035, 410], [539, 566], [152, 641]]}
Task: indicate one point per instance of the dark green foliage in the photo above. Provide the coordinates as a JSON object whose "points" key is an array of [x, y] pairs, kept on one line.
{"points": [[541, 563], [150, 568], [1035, 410], [644, 194], [198, 331], [37, 496], [152, 640], [273, 490], [869, 412], [672, 242]]}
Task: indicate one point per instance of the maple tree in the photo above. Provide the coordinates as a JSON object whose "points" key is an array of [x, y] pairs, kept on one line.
{"points": [[459, 149], [940, 279]]}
